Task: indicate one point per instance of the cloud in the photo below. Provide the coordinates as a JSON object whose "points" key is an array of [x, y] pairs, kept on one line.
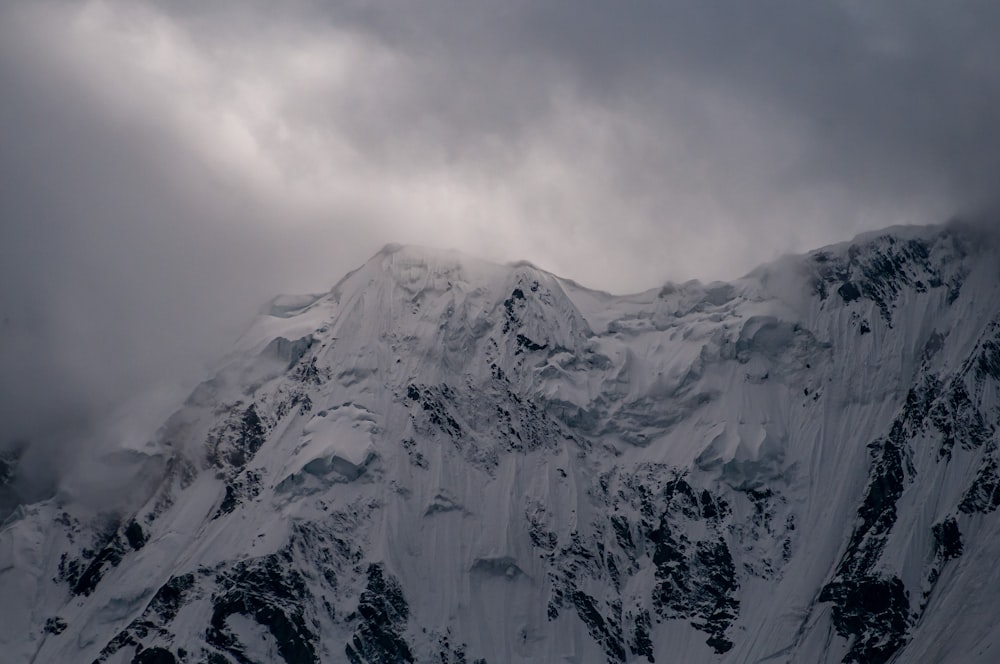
{"points": [[167, 166]]}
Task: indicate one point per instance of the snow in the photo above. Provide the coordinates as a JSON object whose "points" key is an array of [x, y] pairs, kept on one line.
{"points": [[287, 306], [460, 423], [339, 440]]}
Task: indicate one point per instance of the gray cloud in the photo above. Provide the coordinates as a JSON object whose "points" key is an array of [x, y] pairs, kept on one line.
{"points": [[872, 84], [167, 166]]}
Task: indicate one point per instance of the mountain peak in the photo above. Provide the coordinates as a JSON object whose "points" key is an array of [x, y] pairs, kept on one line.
{"points": [[391, 248], [446, 459]]}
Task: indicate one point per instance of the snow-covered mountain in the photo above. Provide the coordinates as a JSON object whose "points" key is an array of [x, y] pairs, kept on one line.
{"points": [[446, 460]]}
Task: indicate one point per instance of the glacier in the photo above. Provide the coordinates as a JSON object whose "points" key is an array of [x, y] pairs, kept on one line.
{"points": [[447, 460]]}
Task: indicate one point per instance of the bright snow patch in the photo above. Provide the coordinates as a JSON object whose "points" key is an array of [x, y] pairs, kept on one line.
{"points": [[338, 440]]}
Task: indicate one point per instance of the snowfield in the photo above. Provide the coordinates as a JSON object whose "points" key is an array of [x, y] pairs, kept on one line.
{"points": [[447, 460]]}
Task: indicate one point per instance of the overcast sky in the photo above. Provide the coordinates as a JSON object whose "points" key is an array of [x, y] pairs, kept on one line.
{"points": [[165, 167]]}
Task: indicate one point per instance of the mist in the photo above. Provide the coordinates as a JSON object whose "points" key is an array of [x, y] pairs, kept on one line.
{"points": [[166, 168]]}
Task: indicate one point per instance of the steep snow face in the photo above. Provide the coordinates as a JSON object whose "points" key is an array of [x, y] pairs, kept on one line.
{"points": [[453, 461]]}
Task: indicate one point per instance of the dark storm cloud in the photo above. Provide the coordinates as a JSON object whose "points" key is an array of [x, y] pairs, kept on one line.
{"points": [[166, 166], [891, 102], [809, 121]]}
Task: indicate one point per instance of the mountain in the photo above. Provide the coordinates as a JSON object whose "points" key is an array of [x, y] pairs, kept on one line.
{"points": [[446, 460]]}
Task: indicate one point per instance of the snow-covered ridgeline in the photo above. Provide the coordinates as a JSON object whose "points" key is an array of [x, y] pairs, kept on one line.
{"points": [[445, 459]]}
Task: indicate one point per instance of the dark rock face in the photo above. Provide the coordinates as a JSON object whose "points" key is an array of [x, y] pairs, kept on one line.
{"points": [[849, 292], [872, 610], [155, 620], [236, 442], [696, 580], [947, 539], [882, 269], [605, 629], [983, 495], [135, 536], [570, 566], [450, 653], [170, 597], [639, 643], [109, 556], [871, 605], [55, 625], [232, 445], [988, 363], [524, 343], [512, 305], [947, 546], [243, 488], [271, 593], [84, 576], [154, 656], [483, 424], [437, 402], [383, 612], [958, 420]]}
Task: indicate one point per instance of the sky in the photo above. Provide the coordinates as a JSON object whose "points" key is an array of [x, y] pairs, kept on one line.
{"points": [[167, 166]]}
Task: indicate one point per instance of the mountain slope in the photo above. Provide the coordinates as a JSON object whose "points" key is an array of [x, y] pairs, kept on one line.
{"points": [[448, 460]]}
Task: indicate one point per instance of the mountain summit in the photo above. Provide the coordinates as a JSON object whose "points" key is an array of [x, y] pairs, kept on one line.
{"points": [[447, 460]]}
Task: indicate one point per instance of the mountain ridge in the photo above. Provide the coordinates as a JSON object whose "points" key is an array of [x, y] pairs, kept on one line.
{"points": [[444, 459]]}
